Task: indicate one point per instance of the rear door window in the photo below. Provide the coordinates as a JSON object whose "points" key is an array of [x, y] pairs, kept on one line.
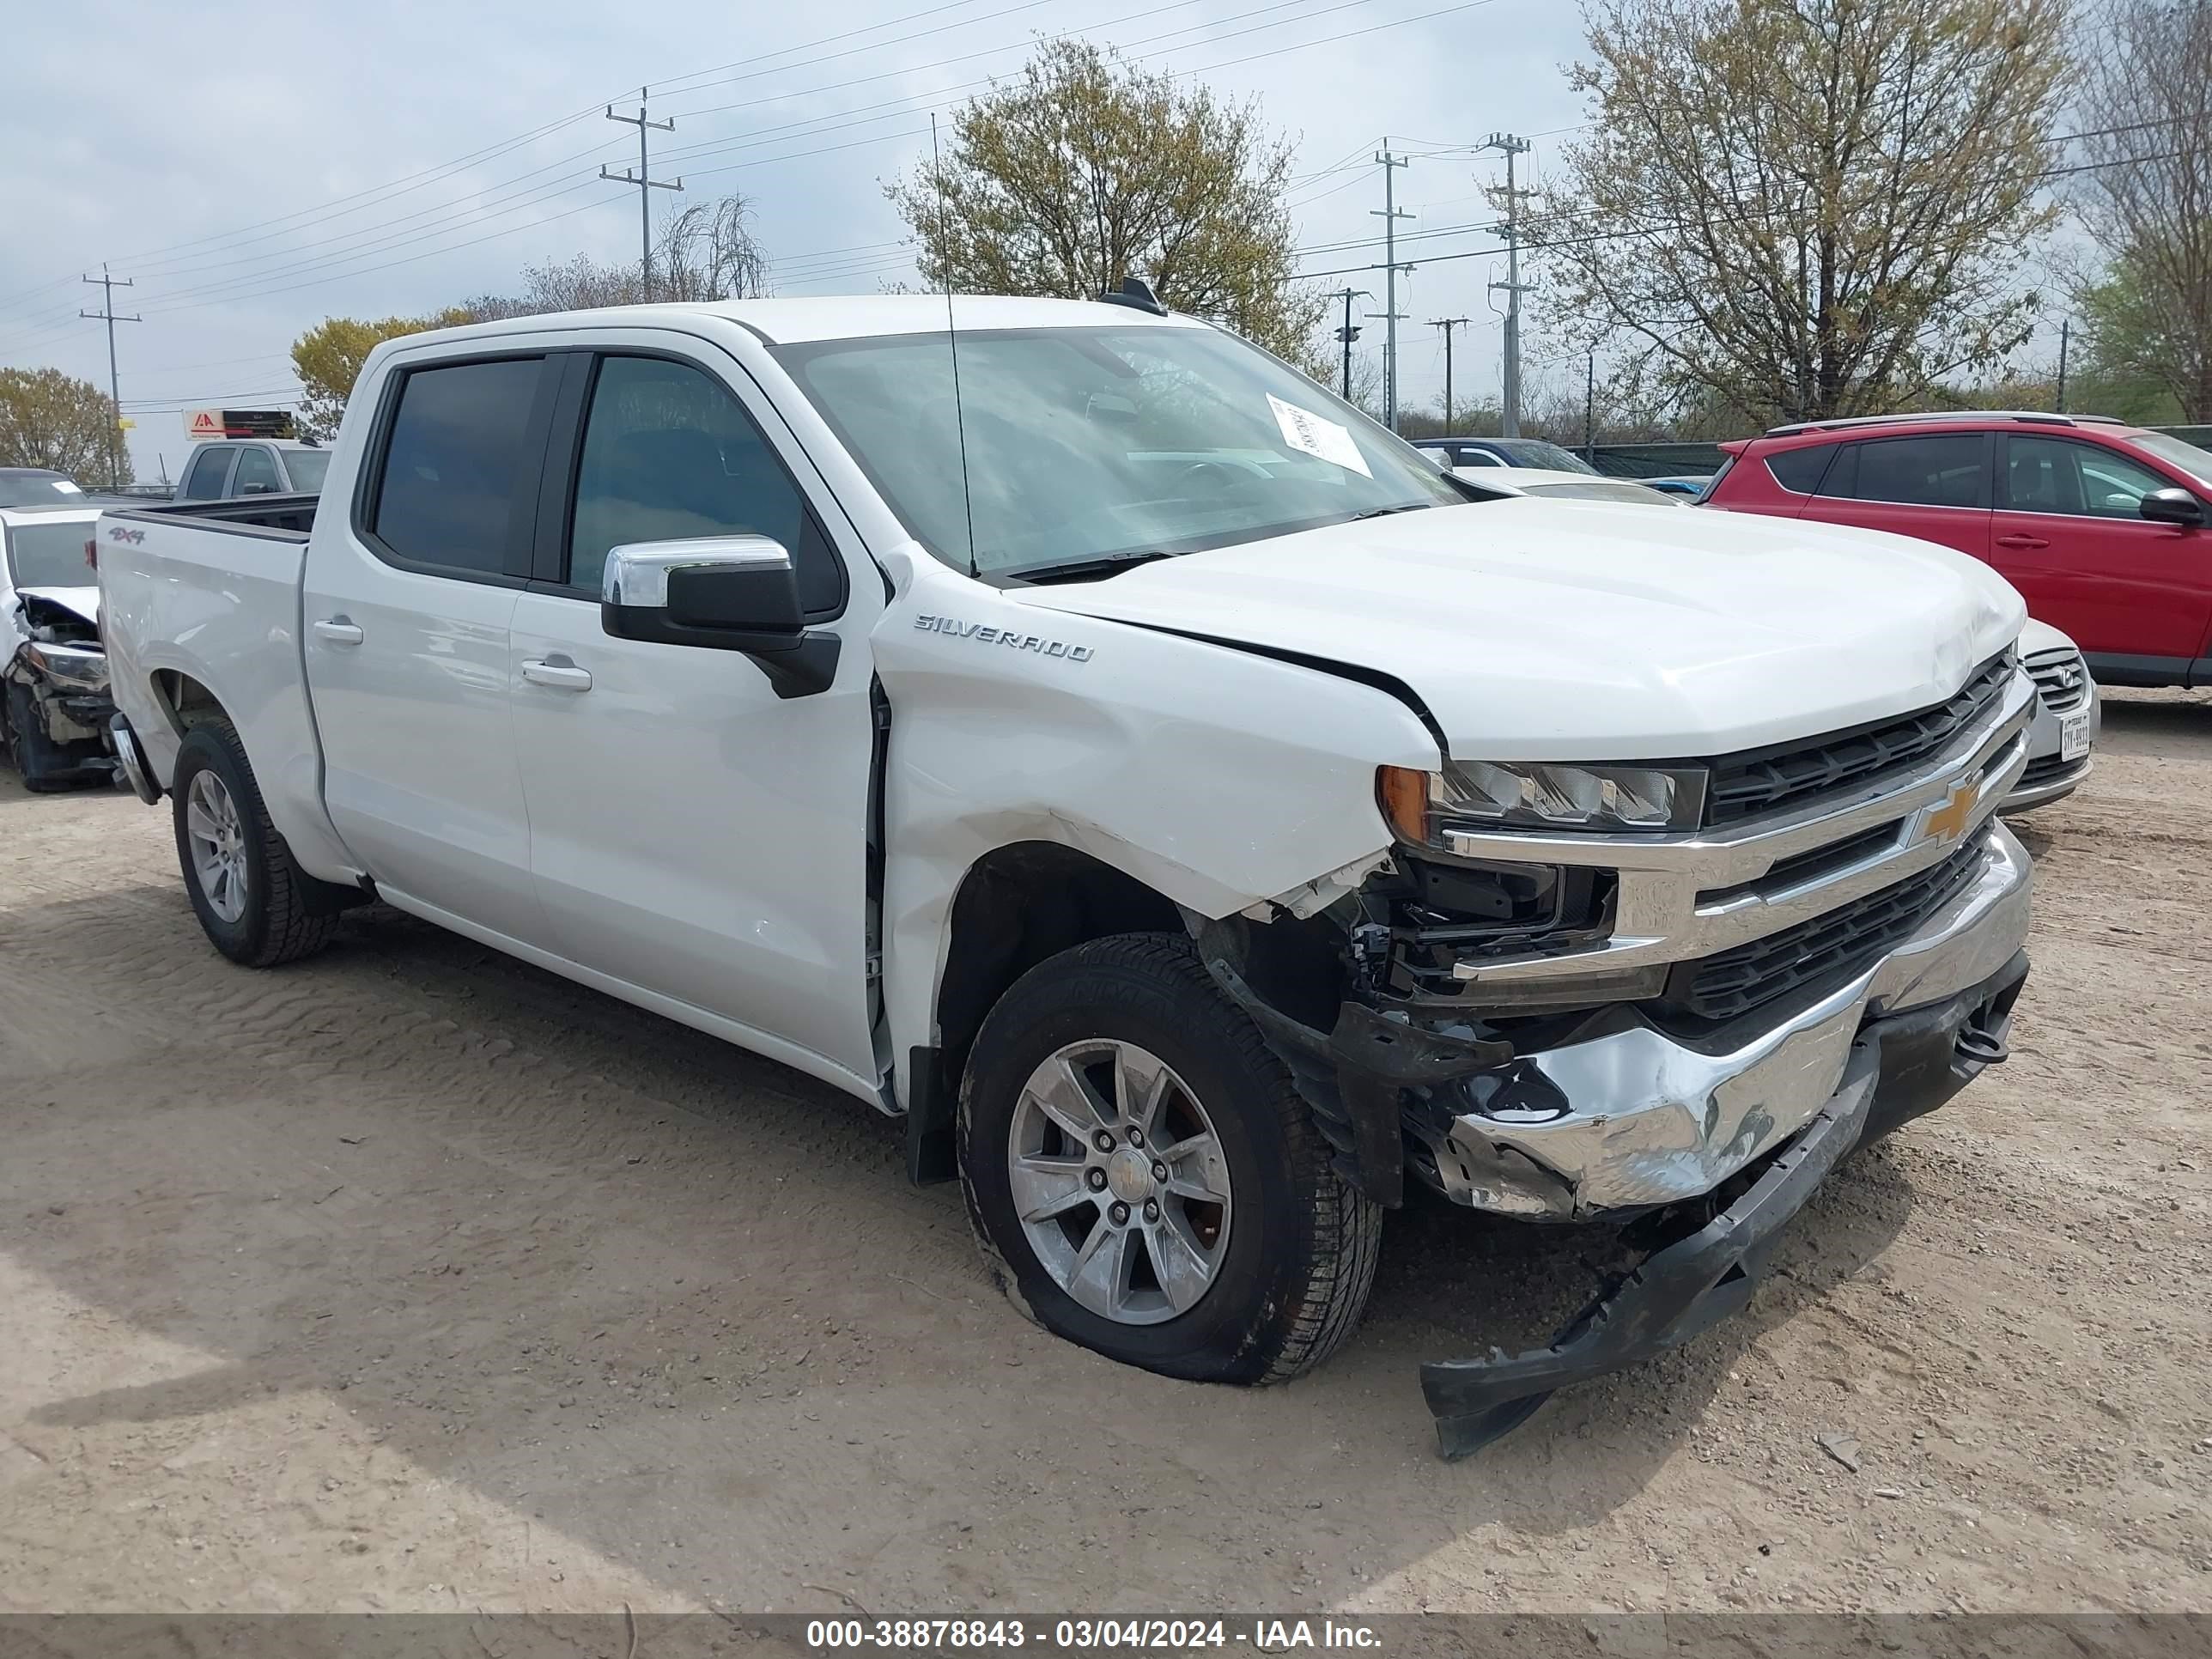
{"points": [[458, 475], [209, 474], [1945, 470]]}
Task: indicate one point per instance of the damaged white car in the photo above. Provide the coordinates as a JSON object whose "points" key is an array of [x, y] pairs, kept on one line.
{"points": [[1085, 737], [54, 707]]}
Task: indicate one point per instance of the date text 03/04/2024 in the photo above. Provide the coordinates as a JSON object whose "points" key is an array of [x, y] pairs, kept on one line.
{"points": [[1090, 1635]]}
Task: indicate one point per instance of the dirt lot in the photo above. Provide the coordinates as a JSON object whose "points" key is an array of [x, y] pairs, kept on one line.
{"points": [[411, 1278]]}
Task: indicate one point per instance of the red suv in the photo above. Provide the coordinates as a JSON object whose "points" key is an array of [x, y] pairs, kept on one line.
{"points": [[2101, 526]]}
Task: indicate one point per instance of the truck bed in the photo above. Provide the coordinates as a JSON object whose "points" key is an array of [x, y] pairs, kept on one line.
{"points": [[291, 515], [204, 594]]}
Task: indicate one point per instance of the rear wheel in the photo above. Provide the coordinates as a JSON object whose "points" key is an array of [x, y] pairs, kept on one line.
{"points": [[1145, 1178], [251, 898]]}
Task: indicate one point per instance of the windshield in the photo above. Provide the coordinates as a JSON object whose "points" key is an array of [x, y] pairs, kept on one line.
{"points": [[307, 467], [48, 555], [1534, 451], [1090, 445], [2177, 452], [38, 489]]}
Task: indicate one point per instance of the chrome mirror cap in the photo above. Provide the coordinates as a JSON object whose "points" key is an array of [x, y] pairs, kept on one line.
{"points": [[637, 573]]}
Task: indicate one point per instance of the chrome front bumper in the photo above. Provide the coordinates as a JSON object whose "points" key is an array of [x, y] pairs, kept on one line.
{"points": [[1640, 1118]]}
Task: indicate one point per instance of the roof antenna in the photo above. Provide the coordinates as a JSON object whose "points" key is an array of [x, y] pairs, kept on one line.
{"points": [[952, 341]]}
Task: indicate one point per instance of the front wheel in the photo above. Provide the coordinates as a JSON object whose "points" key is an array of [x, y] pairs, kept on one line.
{"points": [[251, 898], [32, 750], [1145, 1179]]}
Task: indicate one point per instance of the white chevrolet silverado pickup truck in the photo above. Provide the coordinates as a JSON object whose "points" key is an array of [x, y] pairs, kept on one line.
{"points": [[1082, 736]]}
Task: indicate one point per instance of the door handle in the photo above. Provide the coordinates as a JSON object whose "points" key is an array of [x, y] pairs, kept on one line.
{"points": [[558, 672], [338, 631], [2021, 541]]}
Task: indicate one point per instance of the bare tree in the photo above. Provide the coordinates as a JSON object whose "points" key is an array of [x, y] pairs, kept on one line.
{"points": [[1805, 208], [707, 252], [2146, 194]]}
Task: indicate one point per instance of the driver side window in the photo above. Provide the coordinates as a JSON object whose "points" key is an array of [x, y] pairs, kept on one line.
{"points": [[669, 455], [2057, 475]]}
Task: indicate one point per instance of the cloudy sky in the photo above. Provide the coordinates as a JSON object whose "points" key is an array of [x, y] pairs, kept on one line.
{"points": [[256, 169]]}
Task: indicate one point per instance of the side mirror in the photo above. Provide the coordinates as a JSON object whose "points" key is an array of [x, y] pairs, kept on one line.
{"points": [[257, 490], [2176, 507], [720, 593]]}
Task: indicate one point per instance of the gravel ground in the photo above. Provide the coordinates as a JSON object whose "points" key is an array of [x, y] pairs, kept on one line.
{"points": [[409, 1277]]}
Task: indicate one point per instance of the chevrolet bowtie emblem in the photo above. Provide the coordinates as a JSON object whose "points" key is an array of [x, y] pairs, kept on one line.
{"points": [[1948, 821]]}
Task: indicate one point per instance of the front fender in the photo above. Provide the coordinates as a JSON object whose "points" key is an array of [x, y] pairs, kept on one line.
{"points": [[1218, 778]]}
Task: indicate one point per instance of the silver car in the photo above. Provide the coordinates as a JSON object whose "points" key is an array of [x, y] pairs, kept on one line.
{"points": [[2068, 717]]}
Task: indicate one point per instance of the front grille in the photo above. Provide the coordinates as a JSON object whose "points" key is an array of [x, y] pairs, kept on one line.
{"points": [[2061, 680], [1760, 780], [1828, 947], [2047, 768]]}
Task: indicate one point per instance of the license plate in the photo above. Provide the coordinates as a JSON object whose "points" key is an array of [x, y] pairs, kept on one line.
{"points": [[2073, 737]]}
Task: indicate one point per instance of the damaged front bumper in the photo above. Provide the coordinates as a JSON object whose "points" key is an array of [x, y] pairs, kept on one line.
{"points": [[1636, 1117], [1892, 1070]]}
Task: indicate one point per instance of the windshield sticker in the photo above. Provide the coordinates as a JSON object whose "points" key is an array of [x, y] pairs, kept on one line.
{"points": [[1307, 432], [67, 488]]}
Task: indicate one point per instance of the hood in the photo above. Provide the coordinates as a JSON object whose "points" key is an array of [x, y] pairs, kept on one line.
{"points": [[82, 603], [2036, 637], [1567, 630]]}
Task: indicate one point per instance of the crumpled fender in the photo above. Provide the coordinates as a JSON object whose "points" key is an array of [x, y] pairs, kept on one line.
{"points": [[1219, 778]]}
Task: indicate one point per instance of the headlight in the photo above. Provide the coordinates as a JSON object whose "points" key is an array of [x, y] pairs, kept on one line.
{"points": [[1476, 796], [80, 668]]}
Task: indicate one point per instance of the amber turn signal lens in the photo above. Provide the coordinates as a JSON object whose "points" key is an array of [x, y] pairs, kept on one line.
{"points": [[1403, 795]]}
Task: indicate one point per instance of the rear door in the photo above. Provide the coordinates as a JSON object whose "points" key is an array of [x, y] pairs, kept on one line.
{"points": [[692, 833], [2069, 533], [1935, 487], [410, 590]]}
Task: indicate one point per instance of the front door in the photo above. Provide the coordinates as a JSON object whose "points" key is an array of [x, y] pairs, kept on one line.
{"points": [[404, 618], [692, 833], [2068, 533]]}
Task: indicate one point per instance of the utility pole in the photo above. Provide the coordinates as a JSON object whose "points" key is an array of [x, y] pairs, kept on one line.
{"points": [[1589, 410], [106, 313], [646, 184], [1350, 331], [1448, 324], [1509, 424], [1389, 214], [2065, 331]]}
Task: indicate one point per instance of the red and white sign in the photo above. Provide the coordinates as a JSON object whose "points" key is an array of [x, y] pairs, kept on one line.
{"points": [[203, 423]]}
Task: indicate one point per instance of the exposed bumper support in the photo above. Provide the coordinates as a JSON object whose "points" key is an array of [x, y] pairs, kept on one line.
{"points": [[1896, 1069]]}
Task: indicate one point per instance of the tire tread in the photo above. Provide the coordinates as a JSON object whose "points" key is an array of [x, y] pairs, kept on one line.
{"points": [[291, 930]]}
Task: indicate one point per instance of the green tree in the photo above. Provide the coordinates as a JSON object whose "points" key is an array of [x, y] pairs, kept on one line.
{"points": [[49, 420], [2145, 195], [327, 360], [1085, 171], [1804, 207]]}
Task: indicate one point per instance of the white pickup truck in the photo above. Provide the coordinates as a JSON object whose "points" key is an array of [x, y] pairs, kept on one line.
{"points": [[1083, 735]]}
